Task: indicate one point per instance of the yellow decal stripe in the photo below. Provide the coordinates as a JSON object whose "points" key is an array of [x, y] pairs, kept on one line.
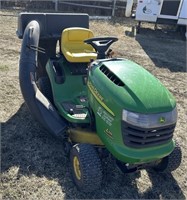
{"points": [[98, 99]]}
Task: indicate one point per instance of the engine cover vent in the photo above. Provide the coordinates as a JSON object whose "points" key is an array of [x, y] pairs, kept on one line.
{"points": [[111, 76]]}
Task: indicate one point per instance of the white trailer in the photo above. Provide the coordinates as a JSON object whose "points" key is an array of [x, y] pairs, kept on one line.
{"points": [[162, 11]]}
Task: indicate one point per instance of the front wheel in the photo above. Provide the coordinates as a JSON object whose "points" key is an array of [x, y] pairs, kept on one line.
{"points": [[171, 162], [86, 167]]}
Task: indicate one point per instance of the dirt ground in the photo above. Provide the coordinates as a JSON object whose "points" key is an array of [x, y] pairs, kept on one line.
{"points": [[33, 165]]}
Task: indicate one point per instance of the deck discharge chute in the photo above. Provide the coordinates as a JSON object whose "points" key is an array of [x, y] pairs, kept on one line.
{"points": [[38, 104]]}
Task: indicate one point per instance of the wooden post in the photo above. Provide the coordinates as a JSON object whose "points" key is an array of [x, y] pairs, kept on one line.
{"points": [[56, 5], [114, 7]]}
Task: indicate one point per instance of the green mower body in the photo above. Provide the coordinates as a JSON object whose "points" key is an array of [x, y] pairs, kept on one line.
{"points": [[108, 91]]}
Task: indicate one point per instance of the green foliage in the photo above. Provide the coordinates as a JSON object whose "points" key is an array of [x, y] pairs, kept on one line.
{"points": [[4, 68]]}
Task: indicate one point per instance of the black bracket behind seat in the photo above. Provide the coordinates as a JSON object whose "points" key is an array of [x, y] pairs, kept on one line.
{"points": [[59, 73]]}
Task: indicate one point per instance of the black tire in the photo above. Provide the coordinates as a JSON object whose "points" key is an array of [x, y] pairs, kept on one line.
{"points": [[171, 162], [45, 87], [88, 176]]}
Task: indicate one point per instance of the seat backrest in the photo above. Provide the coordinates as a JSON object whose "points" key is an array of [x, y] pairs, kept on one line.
{"points": [[75, 35], [74, 38], [73, 47]]}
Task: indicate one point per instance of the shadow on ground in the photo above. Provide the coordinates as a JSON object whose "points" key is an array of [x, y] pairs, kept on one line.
{"points": [[26, 145], [164, 47]]}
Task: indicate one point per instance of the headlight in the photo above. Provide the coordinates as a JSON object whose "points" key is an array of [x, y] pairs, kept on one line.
{"points": [[150, 120]]}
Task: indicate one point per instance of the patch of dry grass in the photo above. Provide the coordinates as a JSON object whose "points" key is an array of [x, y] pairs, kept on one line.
{"points": [[33, 163]]}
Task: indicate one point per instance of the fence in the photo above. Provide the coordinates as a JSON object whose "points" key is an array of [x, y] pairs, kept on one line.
{"points": [[97, 7]]}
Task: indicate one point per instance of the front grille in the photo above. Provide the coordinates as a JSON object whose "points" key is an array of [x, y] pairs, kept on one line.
{"points": [[140, 137]]}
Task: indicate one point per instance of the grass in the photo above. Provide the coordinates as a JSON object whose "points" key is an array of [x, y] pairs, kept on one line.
{"points": [[33, 165], [4, 68]]}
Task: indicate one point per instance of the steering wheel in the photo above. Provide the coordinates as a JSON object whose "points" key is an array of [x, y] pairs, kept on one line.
{"points": [[101, 44]]}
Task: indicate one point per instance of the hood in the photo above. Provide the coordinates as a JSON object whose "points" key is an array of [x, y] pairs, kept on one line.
{"points": [[138, 90]]}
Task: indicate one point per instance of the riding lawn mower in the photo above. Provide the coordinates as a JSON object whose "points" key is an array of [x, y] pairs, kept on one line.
{"points": [[96, 104]]}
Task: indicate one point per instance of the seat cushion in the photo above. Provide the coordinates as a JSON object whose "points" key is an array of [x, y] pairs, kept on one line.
{"points": [[73, 46]]}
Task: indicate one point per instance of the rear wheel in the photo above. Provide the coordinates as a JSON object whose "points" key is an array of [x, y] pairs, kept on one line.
{"points": [[86, 167], [171, 162], [45, 87]]}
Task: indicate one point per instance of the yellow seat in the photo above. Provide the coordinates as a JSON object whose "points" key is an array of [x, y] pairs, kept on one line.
{"points": [[73, 46]]}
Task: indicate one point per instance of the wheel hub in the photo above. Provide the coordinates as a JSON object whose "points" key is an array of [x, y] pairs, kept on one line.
{"points": [[76, 166]]}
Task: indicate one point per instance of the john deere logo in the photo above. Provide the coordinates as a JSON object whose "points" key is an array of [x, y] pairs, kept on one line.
{"points": [[162, 120]]}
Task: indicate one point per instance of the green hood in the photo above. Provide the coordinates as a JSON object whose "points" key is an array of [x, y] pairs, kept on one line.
{"points": [[141, 91]]}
